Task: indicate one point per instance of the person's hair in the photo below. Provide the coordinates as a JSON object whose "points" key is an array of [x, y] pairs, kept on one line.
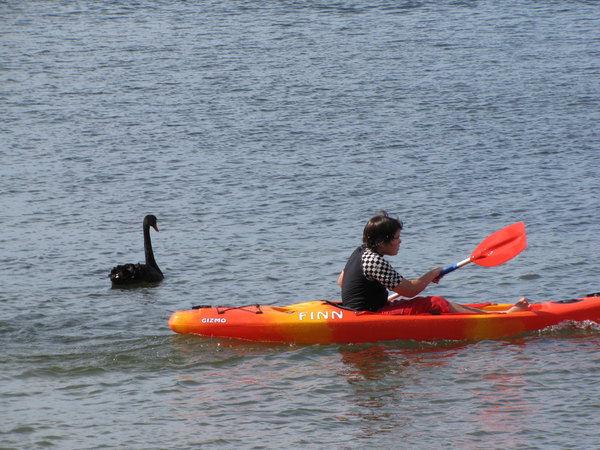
{"points": [[380, 229]]}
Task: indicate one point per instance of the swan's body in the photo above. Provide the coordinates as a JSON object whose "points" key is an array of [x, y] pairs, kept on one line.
{"points": [[128, 274]]}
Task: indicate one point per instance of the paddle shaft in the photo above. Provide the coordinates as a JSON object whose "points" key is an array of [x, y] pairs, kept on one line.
{"points": [[458, 265]]}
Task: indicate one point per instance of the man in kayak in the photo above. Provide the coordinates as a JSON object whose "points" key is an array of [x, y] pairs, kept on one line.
{"points": [[368, 275]]}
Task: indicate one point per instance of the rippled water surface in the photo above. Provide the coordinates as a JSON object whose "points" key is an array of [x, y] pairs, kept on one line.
{"points": [[263, 135]]}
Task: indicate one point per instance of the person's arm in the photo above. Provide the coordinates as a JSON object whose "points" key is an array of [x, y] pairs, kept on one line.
{"points": [[412, 288], [341, 278]]}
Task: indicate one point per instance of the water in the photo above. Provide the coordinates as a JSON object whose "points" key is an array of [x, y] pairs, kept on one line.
{"points": [[263, 135]]}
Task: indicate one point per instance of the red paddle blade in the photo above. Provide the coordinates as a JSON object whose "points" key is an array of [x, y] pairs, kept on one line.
{"points": [[501, 246]]}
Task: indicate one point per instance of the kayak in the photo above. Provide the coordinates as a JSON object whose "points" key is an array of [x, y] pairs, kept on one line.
{"points": [[326, 322]]}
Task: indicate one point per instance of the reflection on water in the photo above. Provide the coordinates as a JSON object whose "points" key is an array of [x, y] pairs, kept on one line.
{"points": [[502, 402], [387, 383]]}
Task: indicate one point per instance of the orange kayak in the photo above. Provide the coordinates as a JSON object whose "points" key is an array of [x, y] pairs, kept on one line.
{"points": [[323, 322]]}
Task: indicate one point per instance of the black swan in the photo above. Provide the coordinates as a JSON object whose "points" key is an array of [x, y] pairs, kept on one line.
{"points": [[128, 274]]}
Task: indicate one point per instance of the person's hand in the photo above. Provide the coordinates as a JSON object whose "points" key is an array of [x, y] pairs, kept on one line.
{"points": [[437, 279]]}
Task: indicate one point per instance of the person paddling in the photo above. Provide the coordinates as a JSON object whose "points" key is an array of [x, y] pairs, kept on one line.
{"points": [[368, 276]]}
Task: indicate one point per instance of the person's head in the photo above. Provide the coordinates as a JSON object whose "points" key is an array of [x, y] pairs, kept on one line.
{"points": [[382, 234]]}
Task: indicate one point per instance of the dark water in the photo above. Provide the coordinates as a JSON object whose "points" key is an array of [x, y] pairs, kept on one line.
{"points": [[263, 135]]}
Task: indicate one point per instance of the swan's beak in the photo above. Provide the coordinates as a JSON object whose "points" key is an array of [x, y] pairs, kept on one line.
{"points": [[155, 227]]}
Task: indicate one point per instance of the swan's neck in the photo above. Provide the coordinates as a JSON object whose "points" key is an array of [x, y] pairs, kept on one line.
{"points": [[148, 249]]}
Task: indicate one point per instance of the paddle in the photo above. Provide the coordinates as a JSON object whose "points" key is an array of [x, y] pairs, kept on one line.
{"points": [[494, 250]]}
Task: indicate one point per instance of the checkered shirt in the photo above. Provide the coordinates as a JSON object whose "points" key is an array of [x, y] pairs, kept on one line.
{"points": [[376, 268]]}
